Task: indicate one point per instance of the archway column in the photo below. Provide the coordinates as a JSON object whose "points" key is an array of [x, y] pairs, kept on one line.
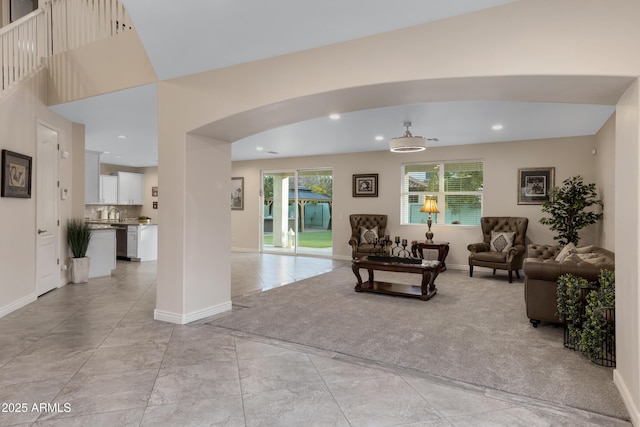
{"points": [[627, 249], [194, 256]]}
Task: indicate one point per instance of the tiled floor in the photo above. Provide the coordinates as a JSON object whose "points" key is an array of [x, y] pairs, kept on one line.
{"points": [[92, 355]]}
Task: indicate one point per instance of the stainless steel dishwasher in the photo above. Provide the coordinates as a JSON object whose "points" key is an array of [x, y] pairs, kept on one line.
{"points": [[121, 240]]}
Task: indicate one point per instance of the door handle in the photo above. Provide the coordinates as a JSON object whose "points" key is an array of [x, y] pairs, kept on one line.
{"points": [[41, 231]]}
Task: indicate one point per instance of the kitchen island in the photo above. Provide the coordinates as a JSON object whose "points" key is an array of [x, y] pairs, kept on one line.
{"points": [[102, 251], [135, 241]]}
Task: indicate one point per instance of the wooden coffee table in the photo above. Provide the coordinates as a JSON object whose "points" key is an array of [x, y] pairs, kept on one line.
{"points": [[428, 269]]}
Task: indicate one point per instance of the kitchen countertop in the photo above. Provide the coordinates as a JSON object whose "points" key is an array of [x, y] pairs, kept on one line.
{"points": [[106, 223], [101, 227]]}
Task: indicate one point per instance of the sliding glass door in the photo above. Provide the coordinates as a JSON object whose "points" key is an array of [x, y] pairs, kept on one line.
{"points": [[296, 214], [279, 219]]}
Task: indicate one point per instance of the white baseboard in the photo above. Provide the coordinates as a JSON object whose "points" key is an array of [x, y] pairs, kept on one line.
{"points": [[247, 250], [183, 319], [627, 398], [10, 308]]}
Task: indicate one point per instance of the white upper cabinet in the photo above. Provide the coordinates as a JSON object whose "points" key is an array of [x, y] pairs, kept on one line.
{"points": [[130, 188], [91, 177], [108, 190]]}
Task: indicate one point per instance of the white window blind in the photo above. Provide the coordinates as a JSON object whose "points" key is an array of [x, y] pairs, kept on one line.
{"points": [[456, 187]]}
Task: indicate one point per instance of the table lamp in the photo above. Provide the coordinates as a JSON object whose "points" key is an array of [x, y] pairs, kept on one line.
{"points": [[430, 207]]}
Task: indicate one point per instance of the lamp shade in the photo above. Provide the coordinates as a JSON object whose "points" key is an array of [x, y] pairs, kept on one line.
{"points": [[407, 143], [429, 206]]}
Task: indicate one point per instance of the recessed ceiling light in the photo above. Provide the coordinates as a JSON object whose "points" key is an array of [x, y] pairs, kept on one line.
{"points": [[259, 148], [497, 127], [334, 116], [106, 152], [379, 138], [122, 136]]}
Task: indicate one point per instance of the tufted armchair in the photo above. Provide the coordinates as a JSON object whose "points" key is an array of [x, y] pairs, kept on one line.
{"points": [[360, 222], [500, 253]]}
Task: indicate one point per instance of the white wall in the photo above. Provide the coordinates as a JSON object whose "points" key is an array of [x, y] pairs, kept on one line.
{"points": [[19, 113], [571, 156], [627, 216], [605, 180]]}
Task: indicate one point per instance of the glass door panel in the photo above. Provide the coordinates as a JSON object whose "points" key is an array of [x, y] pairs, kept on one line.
{"points": [[296, 216], [279, 216], [315, 189]]}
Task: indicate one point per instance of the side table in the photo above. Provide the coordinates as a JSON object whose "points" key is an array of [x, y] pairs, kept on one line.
{"points": [[441, 247]]}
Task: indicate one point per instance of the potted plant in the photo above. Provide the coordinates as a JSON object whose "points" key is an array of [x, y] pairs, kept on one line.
{"points": [[569, 295], [78, 238], [598, 330], [567, 206]]}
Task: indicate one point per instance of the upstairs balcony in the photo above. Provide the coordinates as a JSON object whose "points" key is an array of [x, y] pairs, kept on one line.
{"points": [[86, 48]]}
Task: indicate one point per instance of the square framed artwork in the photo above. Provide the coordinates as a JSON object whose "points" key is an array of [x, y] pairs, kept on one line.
{"points": [[365, 185], [534, 185], [237, 193], [16, 175]]}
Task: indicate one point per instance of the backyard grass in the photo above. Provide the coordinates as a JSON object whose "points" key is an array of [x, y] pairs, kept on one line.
{"points": [[314, 239]]}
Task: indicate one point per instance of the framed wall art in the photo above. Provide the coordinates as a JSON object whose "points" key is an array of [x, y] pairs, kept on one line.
{"points": [[154, 191], [16, 175], [365, 185], [237, 193], [534, 185]]}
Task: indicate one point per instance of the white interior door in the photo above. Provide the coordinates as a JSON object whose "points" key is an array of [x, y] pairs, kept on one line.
{"points": [[47, 229]]}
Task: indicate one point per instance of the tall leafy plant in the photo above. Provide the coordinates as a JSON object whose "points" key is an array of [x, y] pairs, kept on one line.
{"points": [[568, 295], [568, 206], [78, 237], [598, 323]]}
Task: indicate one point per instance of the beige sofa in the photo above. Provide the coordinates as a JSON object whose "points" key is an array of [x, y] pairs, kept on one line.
{"points": [[541, 271]]}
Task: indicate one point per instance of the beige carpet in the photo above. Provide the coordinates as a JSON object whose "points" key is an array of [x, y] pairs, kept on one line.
{"points": [[474, 330]]}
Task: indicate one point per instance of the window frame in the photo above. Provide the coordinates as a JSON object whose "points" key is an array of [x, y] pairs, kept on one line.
{"points": [[439, 195]]}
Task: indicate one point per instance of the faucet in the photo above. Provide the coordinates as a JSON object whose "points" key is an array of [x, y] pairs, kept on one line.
{"points": [[116, 216]]}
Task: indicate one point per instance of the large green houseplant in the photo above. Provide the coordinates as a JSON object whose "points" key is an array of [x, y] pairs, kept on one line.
{"points": [[568, 206], [78, 238], [598, 330]]}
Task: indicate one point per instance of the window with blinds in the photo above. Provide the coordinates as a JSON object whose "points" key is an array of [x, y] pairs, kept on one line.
{"points": [[456, 187]]}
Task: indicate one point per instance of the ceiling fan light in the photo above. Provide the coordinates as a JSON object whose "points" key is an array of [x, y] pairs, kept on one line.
{"points": [[407, 143]]}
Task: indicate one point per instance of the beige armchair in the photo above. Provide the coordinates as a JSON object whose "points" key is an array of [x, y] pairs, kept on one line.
{"points": [[502, 253], [366, 224]]}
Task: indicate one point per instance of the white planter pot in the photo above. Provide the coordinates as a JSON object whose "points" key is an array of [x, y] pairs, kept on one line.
{"points": [[80, 270]]}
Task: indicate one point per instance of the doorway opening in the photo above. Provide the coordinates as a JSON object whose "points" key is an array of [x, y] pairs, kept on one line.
{"points": [[296, 212]]}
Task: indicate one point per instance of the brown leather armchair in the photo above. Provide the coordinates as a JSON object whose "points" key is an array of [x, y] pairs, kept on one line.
{"points": [[359, 248], [481, 254]]}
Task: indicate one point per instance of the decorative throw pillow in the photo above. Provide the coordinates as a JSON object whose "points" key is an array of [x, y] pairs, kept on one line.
{"points": [[367, 235], [591, 258], [584, 249], [566, 252], [501, 242]]}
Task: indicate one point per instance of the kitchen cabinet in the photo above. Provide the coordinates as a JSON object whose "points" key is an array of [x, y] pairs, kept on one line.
{"points": [[108, 190], [142, 242], [91, 177], [130, 188]]}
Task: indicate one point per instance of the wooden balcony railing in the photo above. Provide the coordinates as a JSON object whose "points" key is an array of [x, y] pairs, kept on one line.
{"points": [[57, 26]]}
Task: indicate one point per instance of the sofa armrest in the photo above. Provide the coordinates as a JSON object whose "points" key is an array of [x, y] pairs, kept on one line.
{"points": [[478, 247], [515, 251]]}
